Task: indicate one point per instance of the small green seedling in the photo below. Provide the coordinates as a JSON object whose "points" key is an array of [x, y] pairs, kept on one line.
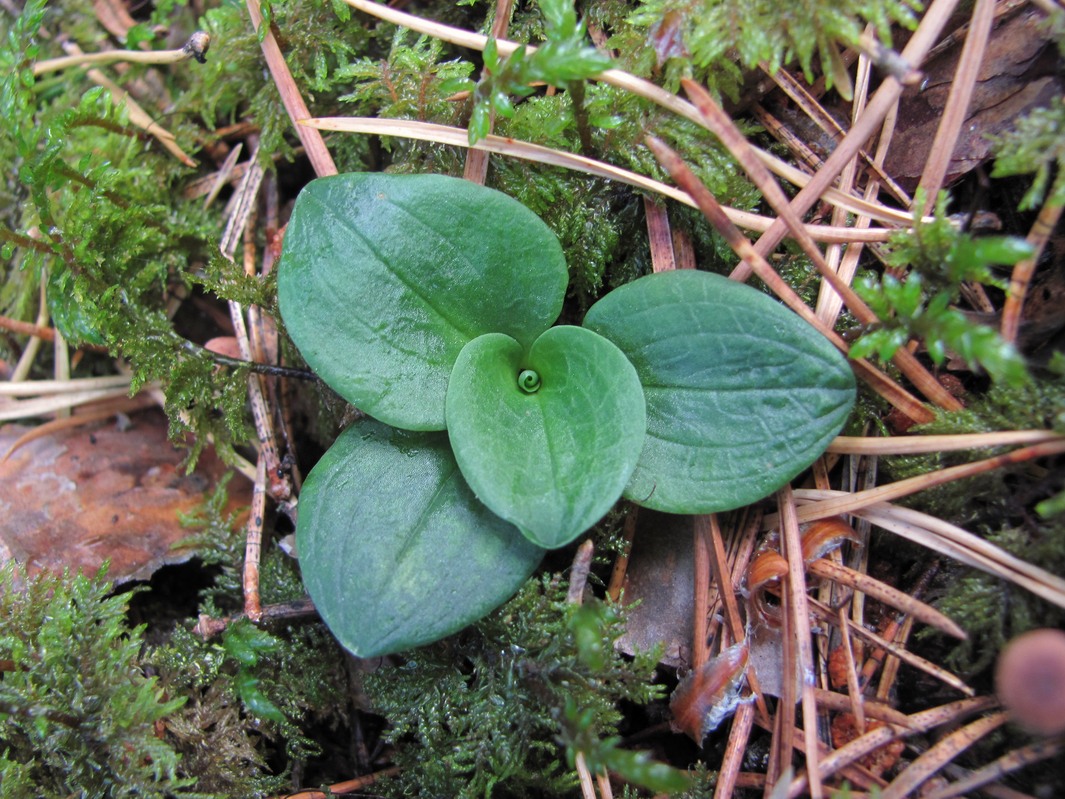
{"points": [[428, 302]]}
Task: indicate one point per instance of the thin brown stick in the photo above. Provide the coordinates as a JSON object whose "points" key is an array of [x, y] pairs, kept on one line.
{"points": [[196, 47], [800, 621], [957, 105], [701, 564], [312, 140], [276, 613]]}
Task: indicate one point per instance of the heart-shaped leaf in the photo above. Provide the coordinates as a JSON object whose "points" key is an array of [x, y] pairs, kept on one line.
{"points": [[394, 548], [548, 438], [742, 395], [384, 279]]}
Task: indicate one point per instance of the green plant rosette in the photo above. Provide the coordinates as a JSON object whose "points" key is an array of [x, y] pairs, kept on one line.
{"points": [[742, 395], [394, 548]]}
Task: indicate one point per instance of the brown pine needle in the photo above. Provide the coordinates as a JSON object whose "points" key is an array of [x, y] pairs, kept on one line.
{"points": [[735, 751], [889, 595], [348, 786], [874, 739], [1010, 762], [945, 750], [312, 140], [957, 105], [830, 700], [828, 616], [850, 503], [800, 629]]}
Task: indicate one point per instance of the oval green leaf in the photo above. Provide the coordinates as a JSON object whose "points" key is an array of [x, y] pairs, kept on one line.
{"points": [[394, 548], [385, 278], [742, 395], [551, 455]]}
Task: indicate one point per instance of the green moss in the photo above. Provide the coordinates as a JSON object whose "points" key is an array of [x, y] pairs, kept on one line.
{"points": [[705, 40], [77, 713], [482, 714]]}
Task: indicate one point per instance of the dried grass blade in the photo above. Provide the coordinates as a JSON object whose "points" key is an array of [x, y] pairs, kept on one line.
{"points": [[913, 445], [126, 405], [889, 595], [40, 406], [32, 388], [513, 148], [874, 739], [853, 502], [941, 754]]}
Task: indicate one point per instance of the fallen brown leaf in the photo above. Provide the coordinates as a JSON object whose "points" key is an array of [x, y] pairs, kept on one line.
{"points": [[77, 498]]}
